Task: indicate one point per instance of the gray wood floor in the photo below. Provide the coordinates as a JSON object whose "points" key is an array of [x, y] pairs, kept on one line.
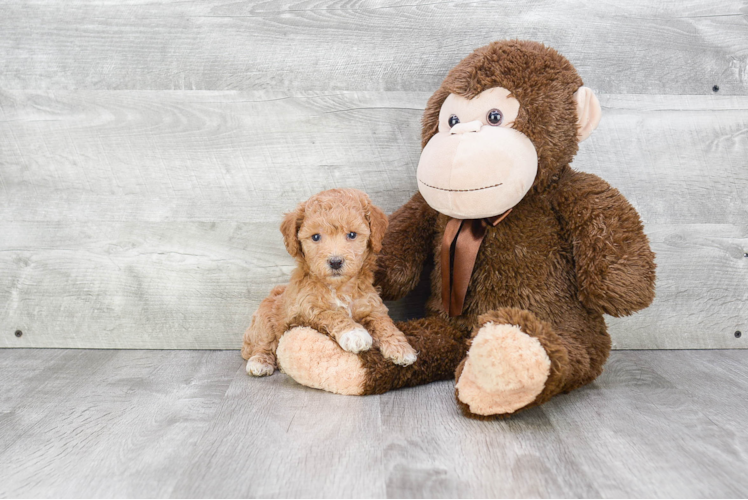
{"points": [[90, 423]]}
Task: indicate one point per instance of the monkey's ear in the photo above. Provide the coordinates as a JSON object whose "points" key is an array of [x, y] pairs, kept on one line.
{"points": [[588, 112], [378, 223], [290, 230]]}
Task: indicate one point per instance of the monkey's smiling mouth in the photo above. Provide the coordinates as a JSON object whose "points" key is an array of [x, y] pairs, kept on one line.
{"points": [[460, 190]]}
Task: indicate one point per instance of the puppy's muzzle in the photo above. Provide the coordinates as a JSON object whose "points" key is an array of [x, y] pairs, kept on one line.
{"points": [[335, 263]]}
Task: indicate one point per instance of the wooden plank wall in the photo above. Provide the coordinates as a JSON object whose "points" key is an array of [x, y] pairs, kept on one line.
{"points": [[148, 149]]}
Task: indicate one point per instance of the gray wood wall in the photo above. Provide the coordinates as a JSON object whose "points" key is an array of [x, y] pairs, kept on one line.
{"points": [[149, 148]]}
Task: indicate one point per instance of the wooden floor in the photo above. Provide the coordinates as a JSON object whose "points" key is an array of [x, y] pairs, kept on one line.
{"points": [[77, 423]]}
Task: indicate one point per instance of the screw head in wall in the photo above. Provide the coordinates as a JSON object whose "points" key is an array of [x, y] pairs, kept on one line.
{"points": [[19, 333], [738, 334]]}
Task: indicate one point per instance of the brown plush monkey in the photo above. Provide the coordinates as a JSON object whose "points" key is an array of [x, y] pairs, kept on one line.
{"points": [[529, 253]]}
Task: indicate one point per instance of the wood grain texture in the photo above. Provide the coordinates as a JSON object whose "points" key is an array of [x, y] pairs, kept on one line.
{"points": [[149, 219], [120, 426], [200, 156], [636, 47], [79, 423], [641, 405], [473, 459], [314, 443]]}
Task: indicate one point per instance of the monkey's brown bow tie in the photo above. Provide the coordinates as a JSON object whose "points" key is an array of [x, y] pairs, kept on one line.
{"points": [[462, 239]]}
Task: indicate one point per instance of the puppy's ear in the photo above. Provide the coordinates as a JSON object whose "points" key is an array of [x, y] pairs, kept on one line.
{"points": [[377, 223], [290, 230]]}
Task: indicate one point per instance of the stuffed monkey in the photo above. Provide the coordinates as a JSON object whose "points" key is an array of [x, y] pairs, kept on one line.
{"points": [[528, 253]]}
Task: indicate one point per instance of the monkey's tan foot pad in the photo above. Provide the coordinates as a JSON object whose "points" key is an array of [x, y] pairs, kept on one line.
{"points": [[505, 370], [315, 360]]}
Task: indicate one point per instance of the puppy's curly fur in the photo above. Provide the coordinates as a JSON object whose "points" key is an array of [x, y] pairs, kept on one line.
{"points": [[335, 237]]}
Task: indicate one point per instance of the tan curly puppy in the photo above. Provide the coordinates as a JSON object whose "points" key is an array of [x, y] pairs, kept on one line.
{"points": [[335, 237]]}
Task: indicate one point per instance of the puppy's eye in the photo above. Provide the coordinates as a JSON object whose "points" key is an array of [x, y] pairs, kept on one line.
{"points": [[316, 237], [352, 235], [453, 120], [495, 117]]}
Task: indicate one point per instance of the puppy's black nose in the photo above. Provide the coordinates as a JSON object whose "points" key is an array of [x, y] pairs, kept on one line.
{"points": [[335, 263]]}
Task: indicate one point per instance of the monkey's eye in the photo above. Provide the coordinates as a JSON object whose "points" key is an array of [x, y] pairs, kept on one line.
{"points": [[453, 120], [352, 235], [494, 117], [316, 237]]}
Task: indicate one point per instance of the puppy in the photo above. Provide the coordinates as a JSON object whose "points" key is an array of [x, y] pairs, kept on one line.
{"points": [[335, 237]]}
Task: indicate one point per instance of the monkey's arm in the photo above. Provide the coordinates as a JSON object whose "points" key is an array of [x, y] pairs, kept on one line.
{"points": [[615, 266], [406, 245]]}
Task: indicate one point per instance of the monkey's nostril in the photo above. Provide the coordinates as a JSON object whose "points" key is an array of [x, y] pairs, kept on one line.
{"points": [[335, 263]]}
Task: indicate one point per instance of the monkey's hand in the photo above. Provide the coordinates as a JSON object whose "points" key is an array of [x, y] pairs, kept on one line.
{"points": [[405, 247], [615, 266]]}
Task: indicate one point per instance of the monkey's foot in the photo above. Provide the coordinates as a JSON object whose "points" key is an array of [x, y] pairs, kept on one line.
{"points": [[504, 371], [315, 360]]}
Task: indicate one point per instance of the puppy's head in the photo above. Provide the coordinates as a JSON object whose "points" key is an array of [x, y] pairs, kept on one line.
{"points": [[335, 233]]}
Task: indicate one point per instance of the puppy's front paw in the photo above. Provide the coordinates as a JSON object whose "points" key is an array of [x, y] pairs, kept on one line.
{"points": [[257, 368], [400, 353], [355, 340]]}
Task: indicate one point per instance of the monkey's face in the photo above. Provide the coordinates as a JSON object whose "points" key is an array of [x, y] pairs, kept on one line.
{"points": [[477, 165]]}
